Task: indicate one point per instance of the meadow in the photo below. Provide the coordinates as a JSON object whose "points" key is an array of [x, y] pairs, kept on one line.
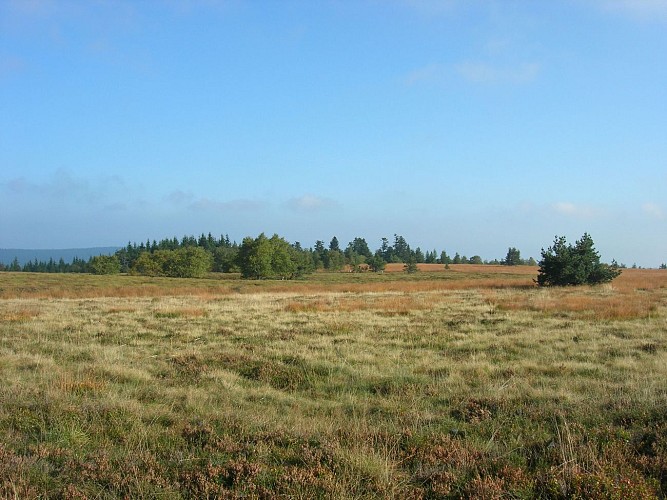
{"points": [[463, 383]]}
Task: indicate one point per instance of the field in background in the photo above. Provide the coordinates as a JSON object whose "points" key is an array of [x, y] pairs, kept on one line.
{"points": [[37, 285], [468, 382]]}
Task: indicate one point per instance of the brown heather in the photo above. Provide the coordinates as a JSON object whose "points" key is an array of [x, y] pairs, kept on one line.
{"points": [[462, 383]]}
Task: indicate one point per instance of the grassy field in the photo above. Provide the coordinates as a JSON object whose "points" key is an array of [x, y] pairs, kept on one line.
{"points": [[465, 383]]}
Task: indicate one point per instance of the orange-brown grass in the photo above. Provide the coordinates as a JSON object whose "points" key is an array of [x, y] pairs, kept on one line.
{"points": [[635, 294], [119, 310], [19, 316], [77, 384], [622, 306], [641, 279], [466, 268], [427, 285]]}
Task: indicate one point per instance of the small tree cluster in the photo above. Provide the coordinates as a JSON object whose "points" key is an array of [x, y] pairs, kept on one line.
{"points": [[262, 257], [188, 262], [104, 264], [513, 258], [579, 264]]}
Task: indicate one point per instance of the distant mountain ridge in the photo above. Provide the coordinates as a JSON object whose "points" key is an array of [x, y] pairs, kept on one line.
{"points": [[7, 255]]}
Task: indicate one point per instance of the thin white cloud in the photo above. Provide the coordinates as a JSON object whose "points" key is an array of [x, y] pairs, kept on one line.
{"points": [[485, 73], [238, 205], [309, 203], [573, 210], [474, 72], [653, 210], [430, 73], [647, 10], [62, 186], [179, 197]]}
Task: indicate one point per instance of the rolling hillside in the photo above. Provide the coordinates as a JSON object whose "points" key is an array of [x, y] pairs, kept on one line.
{"points": [[7, 255]]}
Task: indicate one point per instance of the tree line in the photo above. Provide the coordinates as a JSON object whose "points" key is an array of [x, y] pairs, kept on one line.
{"points": [[257, 258], [275, 258]]}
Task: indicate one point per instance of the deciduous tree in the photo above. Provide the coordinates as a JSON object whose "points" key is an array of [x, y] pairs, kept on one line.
{"points": [[105, 264]]}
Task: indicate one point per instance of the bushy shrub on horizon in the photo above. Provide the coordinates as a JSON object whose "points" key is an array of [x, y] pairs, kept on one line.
{"points": [[563, 264]]}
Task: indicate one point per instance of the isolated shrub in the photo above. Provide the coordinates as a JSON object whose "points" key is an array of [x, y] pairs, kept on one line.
{"points": [[564, 264]]}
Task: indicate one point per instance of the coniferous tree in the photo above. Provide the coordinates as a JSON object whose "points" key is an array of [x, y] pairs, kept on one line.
{"points": [[401, 249], [563, 264], [410, 265], [444, 258], [15, 266], [334, 245], [513, 257], [319, 255], [386, 251], [358, 247], [376, 263], [335, 260], [419, 256]]}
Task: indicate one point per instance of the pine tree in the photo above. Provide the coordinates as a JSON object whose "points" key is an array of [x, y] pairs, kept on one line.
{"points": [[334, 245], [15, 266], [564, 264], [513, 257]]}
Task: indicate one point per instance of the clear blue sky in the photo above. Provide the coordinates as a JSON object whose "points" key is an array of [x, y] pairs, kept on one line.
{"points": [[463, 125]]}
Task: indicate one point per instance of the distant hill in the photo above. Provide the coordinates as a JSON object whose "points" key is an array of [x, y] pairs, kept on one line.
{"points": [[7, 255]]}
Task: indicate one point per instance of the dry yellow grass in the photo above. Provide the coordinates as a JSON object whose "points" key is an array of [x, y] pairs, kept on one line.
{"points": [[378, 387]]}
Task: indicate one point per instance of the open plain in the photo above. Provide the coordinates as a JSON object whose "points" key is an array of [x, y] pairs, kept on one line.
{"points": [[463, 383]]}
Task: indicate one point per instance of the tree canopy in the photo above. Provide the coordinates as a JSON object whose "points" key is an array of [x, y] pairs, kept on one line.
{"points": [[563, 264], [262, 257]]}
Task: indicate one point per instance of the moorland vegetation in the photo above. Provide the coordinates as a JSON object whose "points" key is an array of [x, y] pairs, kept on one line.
{"points": [[467, 382]]}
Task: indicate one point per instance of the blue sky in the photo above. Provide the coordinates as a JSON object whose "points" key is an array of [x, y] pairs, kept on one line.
{"points": [[469, 126]]}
